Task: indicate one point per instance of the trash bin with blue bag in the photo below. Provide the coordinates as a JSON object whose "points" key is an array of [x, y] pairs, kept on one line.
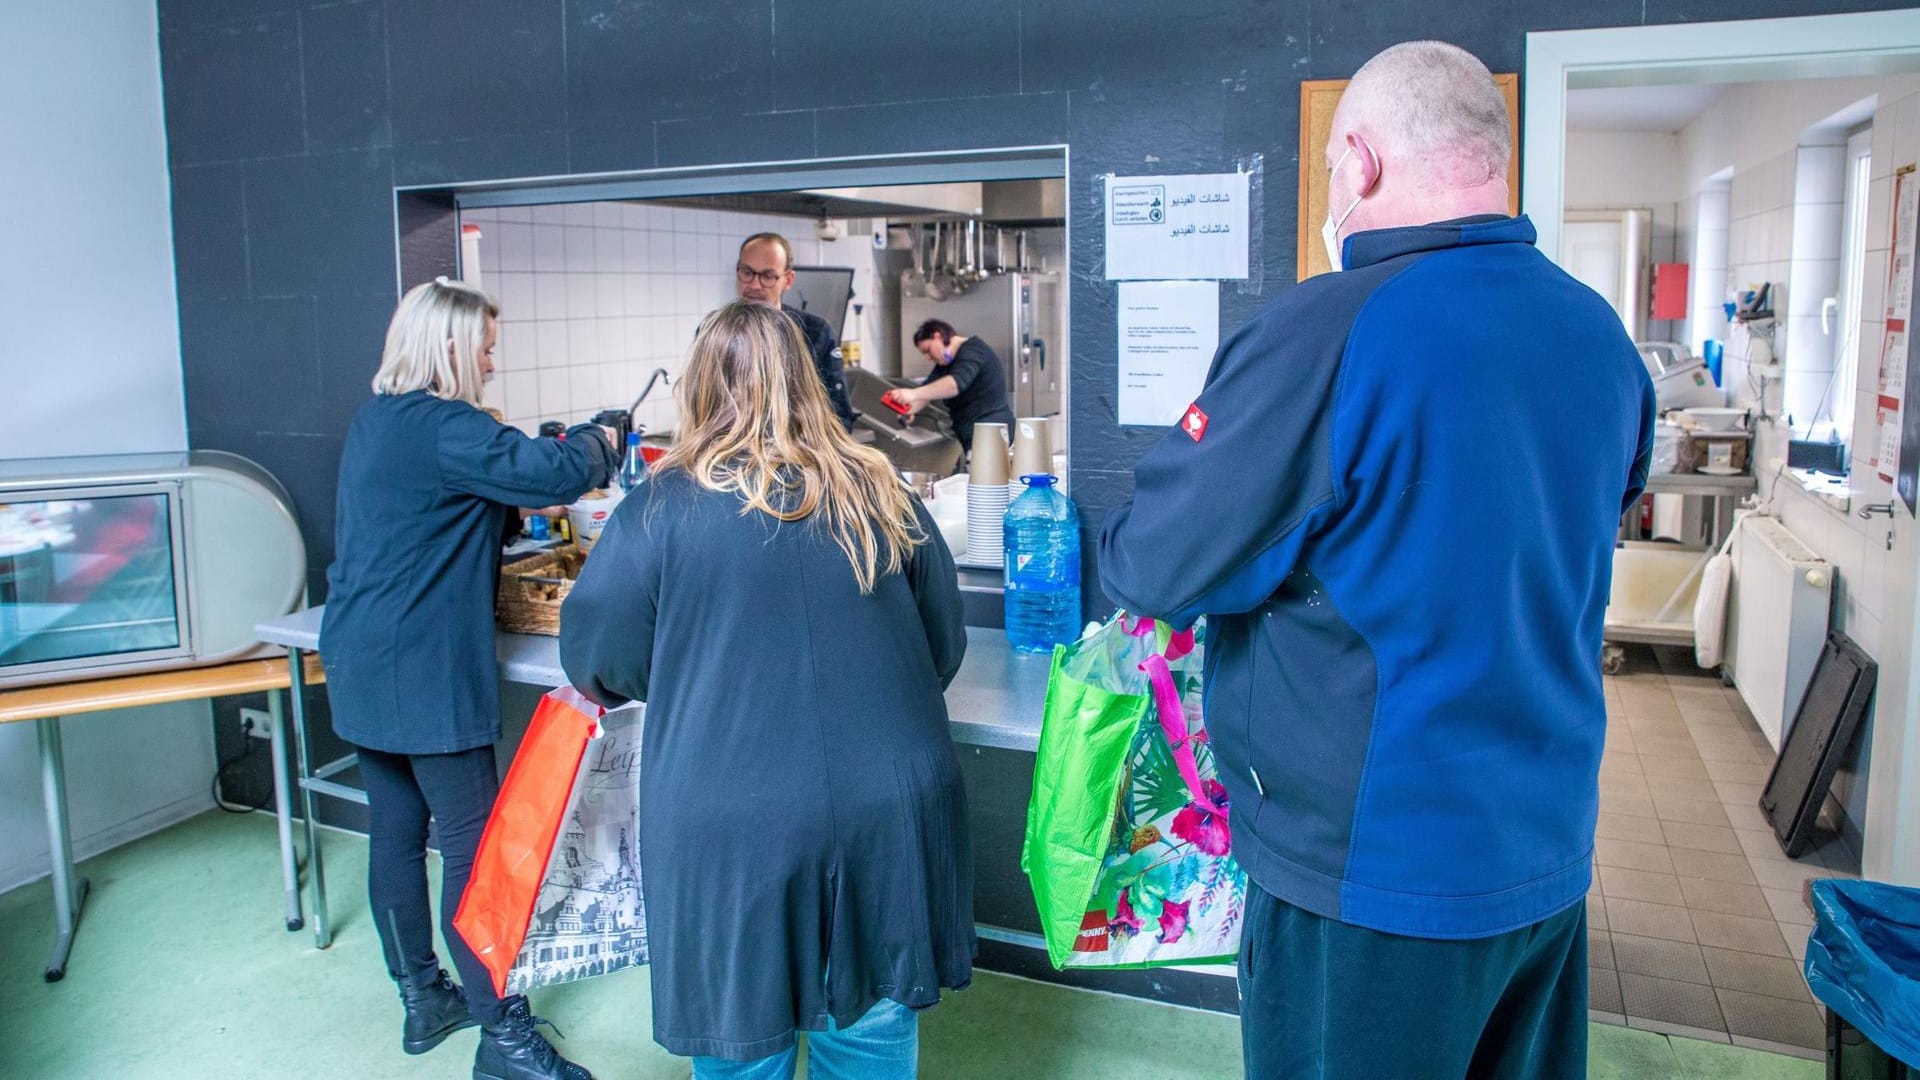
{"points": [[1863, 963]]}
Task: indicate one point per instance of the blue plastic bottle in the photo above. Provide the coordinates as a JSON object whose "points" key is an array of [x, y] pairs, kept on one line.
{"points": [[634, 469], [1042, 567]]}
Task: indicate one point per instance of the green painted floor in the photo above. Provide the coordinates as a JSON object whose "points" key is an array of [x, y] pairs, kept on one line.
{"points": [[183, 969]]}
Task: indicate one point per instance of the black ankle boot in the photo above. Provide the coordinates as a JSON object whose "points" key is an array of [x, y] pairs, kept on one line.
{"points": [[434, 1011], [513, 1050]]}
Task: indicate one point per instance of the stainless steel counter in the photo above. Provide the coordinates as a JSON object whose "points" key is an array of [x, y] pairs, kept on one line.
{"points": [[996, 700]]}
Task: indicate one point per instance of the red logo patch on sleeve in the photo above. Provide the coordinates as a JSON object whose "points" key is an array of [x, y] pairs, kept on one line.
{"points": [[1194, 423]]}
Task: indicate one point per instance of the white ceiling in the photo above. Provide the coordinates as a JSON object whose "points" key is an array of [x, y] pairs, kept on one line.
{"points": [[1640, 108]]}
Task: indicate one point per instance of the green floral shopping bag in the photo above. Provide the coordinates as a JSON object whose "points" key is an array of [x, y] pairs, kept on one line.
{"points": [[1127, 841]]}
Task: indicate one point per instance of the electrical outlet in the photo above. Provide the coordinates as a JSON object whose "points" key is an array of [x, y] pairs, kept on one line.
{"points": [[257, 723]]}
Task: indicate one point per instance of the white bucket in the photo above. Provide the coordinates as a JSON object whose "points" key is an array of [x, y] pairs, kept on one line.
{"points": [[590, 515]]}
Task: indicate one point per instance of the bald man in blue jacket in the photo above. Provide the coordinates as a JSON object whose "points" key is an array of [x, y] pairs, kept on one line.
{"points": [[1396, 500]]}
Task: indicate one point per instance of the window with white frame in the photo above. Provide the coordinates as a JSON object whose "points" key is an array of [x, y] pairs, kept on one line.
{"points": [[1853, 263]]}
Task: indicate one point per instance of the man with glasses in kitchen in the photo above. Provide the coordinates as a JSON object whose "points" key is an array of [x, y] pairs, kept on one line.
{"points": [[763, 274]]}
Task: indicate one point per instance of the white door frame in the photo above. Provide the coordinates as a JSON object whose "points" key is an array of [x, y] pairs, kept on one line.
{"points": [[1818, 46]]}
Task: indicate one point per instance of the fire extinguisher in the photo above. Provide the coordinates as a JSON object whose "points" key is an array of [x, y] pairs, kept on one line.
{"points": [[1646, 515]]}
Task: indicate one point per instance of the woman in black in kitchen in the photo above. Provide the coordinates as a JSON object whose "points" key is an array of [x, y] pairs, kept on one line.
{"points": [[428, 487], [787, 610]]}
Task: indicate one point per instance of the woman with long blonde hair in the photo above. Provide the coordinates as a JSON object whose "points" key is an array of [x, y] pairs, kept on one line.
{"points": [[428, 487], [787, 610]]}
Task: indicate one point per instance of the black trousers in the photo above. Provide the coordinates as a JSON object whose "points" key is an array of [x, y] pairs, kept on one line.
{"points": [[404, 792], [1329, 1001]]}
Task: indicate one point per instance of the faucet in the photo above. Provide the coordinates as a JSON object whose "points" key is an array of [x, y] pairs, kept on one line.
{"points": [[658, 374]]}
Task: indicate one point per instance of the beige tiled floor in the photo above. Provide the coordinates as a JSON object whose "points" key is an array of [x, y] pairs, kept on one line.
{"points": [[1697, 919]]}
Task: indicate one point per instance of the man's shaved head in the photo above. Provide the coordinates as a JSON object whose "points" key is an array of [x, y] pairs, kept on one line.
{"points": [[1435, 108], [1421, 135]]}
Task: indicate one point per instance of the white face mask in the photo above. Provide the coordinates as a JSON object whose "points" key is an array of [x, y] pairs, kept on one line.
{"points": [[1330, 228]]}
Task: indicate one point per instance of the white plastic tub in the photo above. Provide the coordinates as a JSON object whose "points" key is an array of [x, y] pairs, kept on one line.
{"points": [[1654, 586]]}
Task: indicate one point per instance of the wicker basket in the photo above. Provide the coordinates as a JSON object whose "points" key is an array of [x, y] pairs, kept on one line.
{"points": [[531, 590]]}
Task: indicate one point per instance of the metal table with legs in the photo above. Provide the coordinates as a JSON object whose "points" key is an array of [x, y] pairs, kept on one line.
{"points": [[46, 705]]}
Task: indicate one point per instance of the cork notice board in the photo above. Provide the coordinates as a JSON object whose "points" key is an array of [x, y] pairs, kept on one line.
{"points": [[1317, 100]]}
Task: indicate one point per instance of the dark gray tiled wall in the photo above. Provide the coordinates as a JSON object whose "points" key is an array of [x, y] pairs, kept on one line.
{"points": [[289, 123]]}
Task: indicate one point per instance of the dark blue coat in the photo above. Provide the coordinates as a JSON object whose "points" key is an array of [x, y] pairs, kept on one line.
{"points": [[427, 488], [803, 826], [1396, 502]]}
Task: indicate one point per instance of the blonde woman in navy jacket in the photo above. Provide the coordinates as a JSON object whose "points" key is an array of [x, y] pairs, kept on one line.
{"points": [[428, 487]]}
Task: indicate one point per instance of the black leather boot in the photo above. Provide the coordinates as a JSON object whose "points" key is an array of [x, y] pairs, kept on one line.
{"points": [[434, 1011], [513, 1050]]}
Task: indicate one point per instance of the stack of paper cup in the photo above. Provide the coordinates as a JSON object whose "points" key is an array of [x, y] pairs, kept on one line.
{"points": [[987, 495], [1032, 452]]}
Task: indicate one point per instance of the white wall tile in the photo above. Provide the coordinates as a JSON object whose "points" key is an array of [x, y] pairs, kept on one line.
{"points": [[607, 215], [686, 253], [549, 247], [1804, 392], [584, 380], [1780, 233], [556, 393], [639, 343], [609, 250], [660, 331], [1882, 144], [583, 343], [1808, 350], [610, 293], [636, 292], [686, 295], [514, 292], [549, 296], [522, 390], [633, 215], [1812, 282], [580, 214], [1872, 335], [583, 300], [580, 254], [634, 250], [660, 258], [1880, 214], [521, 214], [1760, 237], [552, 214], [514, 246], [550, 336], [1816, 231], [515, 351], [613, 339], [1819, 174], [1906, 131]]}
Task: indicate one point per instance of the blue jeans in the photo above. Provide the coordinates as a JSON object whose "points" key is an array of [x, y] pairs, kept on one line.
{"points": [[882, 1045]]}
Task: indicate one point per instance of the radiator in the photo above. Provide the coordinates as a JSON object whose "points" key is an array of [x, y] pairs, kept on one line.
{"points": [[1776, 621]]}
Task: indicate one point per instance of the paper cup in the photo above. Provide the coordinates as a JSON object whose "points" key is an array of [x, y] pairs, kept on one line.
{"points": [[1032, 448], [988, 464]]}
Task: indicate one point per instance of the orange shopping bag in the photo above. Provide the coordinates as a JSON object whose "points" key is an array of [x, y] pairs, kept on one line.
{"points": [[555, 891]]}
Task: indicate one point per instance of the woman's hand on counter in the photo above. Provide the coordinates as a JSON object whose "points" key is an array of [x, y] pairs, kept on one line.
{"points": [[545, 511]]}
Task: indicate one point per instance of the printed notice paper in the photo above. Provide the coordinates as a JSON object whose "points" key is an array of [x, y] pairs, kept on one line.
{"points": [[1177, 227], [1168, 332]]}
